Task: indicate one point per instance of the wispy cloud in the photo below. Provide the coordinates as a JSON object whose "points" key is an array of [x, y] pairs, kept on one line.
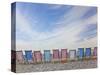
{"points": [[64, 33]]}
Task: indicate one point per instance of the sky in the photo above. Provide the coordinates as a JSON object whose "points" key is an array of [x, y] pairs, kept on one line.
{"points": [[53, 26]]}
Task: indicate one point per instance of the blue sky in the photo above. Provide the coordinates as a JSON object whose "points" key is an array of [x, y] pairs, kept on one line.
{"points": [[41, 26]]}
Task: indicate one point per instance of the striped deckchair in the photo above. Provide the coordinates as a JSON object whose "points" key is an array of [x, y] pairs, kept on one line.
{"points": [[28, 56], [64, 55], [37, 57], [47, 56], [19, 57], [56, 55]]}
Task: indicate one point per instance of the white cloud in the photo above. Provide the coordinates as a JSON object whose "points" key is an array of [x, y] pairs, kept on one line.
{"points": [[53, 6], [74, 14], [64, 36]]}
